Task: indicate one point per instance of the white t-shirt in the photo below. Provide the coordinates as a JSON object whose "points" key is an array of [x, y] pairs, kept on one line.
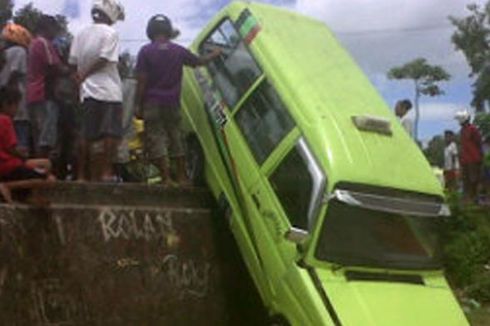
{"points": [[95, 42], [451, 161], [407, 123], [16, 62]]}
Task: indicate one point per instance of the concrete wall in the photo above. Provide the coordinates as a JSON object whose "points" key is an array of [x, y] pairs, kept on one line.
{"points": [[105, 255]]}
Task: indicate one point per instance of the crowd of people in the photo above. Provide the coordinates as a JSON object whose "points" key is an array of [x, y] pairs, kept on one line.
{"points": [[468, 162], [43, 79], [466, 159]]}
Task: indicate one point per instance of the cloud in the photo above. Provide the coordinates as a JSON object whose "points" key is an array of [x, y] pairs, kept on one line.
{"points": [[441, 111], [384, 33]]}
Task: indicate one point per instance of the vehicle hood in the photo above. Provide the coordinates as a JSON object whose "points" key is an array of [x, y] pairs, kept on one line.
{"points": [[387, 303]]}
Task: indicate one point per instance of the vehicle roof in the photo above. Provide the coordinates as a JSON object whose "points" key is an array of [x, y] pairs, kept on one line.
{"points": [[326, 88]]}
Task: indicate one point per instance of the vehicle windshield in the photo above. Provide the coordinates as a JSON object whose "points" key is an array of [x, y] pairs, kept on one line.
{"points": [[356, 236]]}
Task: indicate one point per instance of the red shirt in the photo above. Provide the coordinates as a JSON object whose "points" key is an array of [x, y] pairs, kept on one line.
{"points": [[471, 145], [8, 140], [42, 56]]}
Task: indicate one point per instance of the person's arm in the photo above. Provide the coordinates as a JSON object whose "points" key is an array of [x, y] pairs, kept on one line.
{"points": [[477, 139], [18, 68], [192, 60], [99, 64], [205, 59], [8, 139], [14, 151], [109, 53], [142, 68], [142, 82], [454, 156], [54, 64]]}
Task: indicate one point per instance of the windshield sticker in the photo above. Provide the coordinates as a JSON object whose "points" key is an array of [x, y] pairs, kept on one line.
{"points": [[248, 26], [213, 99]]}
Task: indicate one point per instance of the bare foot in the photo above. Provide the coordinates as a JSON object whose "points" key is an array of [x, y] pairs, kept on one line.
{"points": [[185, 183], [5, 192]]}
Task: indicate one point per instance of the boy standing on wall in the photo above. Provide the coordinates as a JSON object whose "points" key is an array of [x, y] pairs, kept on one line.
{"points": [[14, 165], [159, 73], [43, 66], [95, 53]]}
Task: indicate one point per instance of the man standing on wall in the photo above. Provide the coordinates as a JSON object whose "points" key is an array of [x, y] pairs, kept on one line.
{"points": [[44, 66], [95, 53], [159, 73], [471, 156], [13, 75]]}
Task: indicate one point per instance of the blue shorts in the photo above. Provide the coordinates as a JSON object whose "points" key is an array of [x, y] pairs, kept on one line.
{"points": [[23, 132]]}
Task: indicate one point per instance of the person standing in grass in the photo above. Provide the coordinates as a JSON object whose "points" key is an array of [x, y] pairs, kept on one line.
{"points": [[471, 156], [159, 73], [451, 161]]}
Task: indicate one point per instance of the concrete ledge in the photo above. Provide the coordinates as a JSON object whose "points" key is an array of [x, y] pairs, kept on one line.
{"points": [[93, 263], [123, 194]]}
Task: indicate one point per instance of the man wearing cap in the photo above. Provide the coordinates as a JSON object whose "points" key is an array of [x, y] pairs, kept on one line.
{"points": [[159, 73], [44, 65], [471, 156], [95, 54], [13, 75]]}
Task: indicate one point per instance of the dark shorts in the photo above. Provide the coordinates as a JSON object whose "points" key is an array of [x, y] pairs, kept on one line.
{"points": [[101, 120], [22, 173], [163, 135], [471, 173], [451, 179]]}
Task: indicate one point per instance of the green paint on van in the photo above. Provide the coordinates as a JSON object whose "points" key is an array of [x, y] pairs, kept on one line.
{"points": [[334, 221]]}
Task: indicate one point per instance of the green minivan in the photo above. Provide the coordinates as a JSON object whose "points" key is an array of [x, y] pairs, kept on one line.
{"points": [[334, 208]]}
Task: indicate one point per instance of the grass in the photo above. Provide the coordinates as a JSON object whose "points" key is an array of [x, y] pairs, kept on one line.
{"points": [[479, 317]]}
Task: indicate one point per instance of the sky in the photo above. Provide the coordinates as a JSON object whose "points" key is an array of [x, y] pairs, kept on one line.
{"points": [[379, 34]]}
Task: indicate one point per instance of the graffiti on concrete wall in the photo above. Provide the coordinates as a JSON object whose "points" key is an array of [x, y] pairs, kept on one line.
{"points": [[127, 225], [53, 305], [189, 277]]}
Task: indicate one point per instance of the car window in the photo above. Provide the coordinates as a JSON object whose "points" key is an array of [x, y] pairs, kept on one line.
{"points": [[235, 71], [299, 185], [264, 121]]}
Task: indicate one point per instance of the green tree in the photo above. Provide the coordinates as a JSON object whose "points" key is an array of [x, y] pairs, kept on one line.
{"points": [[28, 16], [435, 151], [482, 120], [5, 11], [472, 38], [425, 77]]}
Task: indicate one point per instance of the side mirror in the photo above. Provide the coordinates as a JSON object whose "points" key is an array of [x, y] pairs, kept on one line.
{"points": [[297, 236]]}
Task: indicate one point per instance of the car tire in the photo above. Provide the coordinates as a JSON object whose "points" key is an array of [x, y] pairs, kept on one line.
{"points": [[195, 161]]}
